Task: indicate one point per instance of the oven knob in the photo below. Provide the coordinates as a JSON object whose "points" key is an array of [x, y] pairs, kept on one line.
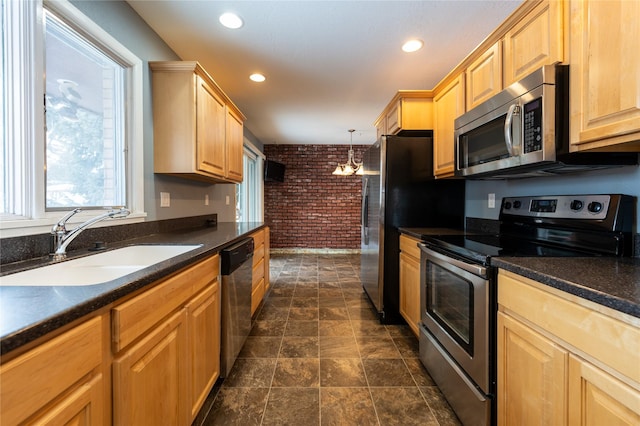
{"points": [[595, 207], [576, 205], [517, 204], [507, 205]]}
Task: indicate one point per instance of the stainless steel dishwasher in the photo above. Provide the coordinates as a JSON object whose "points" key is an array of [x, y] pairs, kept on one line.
{"points": [[236, 267]]}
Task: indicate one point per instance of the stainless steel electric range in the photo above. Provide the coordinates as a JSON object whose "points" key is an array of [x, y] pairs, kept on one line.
{"points": [[458, 284]]}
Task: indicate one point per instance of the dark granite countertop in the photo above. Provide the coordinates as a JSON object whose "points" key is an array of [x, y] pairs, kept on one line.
{"points": [[29, 312], [422, 233], [611, 282]]}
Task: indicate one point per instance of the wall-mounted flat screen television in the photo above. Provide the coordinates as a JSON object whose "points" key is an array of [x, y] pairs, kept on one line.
{"points": [[273, 171]]}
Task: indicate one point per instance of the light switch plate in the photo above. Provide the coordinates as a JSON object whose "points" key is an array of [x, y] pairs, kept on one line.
{"points": [[492, 201], [165, 199]]}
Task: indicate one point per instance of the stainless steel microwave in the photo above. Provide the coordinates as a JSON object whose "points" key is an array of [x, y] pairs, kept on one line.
{"points": [[521, 125], [523, 131]]}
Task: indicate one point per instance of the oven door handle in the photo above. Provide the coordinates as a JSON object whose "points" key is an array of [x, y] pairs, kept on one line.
{"points": [[477, 270]]}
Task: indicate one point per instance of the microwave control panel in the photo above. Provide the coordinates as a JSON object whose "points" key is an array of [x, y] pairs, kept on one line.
{"points": [[532, 126]]}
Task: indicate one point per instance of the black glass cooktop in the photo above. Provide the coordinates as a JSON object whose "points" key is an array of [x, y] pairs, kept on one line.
{"points": [[482, 248]]}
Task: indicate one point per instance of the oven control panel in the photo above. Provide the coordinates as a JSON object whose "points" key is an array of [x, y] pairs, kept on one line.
{"points": [[558, 206]]}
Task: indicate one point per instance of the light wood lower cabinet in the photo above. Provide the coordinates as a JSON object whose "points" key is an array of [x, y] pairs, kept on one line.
{"points": [[150, 380], [203, 316], [563, 360], [58, 382], [260, 274], [167, 348], [530, 366], [410, 281]]}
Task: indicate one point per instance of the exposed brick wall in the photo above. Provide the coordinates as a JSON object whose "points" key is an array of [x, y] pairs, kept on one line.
{"points": [[313, 208]]}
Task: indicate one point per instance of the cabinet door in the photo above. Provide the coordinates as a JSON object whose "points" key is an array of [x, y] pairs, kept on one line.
{"points": [[82, 407], [448, 105], [60, 374], [597, 398], [267, 258], [484, 76], [235, 143], [410, 291], [204, 333], [532, 376], [605, 70], [537, 40], [393, 119], [210, 130], [150, 380]]}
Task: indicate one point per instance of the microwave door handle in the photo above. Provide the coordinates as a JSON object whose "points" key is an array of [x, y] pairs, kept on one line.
{"points": [[508, 140]]}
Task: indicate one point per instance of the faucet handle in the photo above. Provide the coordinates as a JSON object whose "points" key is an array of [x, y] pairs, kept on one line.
{"points": [[60, 225]]}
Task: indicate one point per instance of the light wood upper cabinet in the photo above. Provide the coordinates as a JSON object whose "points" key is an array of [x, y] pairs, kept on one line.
{"points": [[197, 129], [484, 76], [605, 75], [210, 130], [58, 382], [410, 281], [563, 360], [448, 105], [536, 40], [408, 110], [234, 145]]}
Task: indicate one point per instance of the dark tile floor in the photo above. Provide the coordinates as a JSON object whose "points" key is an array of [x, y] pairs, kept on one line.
{"points": [[318, 356]]}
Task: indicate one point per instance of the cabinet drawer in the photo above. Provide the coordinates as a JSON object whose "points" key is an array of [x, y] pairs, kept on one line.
{"points": [[409, 246], [42, 374], [605, 338], [258, 273], [132, 318], [256, 295], [258, 255], [258, 239]]}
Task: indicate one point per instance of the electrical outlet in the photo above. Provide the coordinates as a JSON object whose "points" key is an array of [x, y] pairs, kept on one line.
{"points": [[492, 201], [206, 199], [165, 199], [227, 200]]}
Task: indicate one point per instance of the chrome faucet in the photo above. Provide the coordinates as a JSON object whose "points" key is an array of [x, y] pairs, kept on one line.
{"points": [[62, 237]]}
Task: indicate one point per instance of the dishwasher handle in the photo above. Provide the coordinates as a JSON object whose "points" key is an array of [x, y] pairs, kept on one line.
{"points": [[232, 257]]}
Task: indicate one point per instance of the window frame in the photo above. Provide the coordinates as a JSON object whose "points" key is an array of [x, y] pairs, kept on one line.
{"points": [[254, 190], [24, 23]]}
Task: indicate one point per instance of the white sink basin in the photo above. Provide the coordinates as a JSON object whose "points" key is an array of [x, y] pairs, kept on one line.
{"points": [[98, 268]]}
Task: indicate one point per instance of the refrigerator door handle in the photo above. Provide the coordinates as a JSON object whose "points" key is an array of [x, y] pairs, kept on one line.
{"points": [[365, 211]]}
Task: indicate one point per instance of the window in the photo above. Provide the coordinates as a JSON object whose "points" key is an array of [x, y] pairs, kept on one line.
{"points": [[249, 205], [84, 147]]}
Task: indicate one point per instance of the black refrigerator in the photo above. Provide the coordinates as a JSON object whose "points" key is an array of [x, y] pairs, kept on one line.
{"points": [[399, 190]]}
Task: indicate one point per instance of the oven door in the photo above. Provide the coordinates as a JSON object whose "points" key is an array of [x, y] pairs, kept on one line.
{"points": [[455, 309]]}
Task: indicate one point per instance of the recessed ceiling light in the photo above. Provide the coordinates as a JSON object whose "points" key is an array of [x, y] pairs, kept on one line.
{"points": [[231, 20], [412, 45], [257, 77]]}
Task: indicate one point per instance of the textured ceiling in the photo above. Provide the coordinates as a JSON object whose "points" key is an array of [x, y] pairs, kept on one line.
{"points": [[330, 65]]}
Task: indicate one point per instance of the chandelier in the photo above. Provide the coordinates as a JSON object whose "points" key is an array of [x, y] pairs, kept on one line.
{"points": [[351, 166]]}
